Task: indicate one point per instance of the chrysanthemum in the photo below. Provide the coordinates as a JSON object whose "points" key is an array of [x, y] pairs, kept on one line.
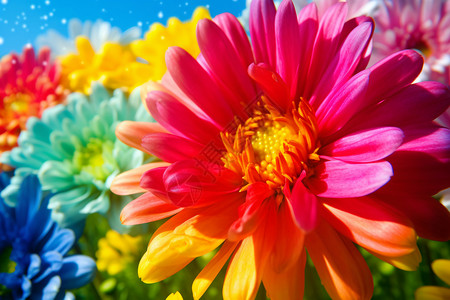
{"points": [[76, 154], [416, 24], [159, 38], [114, 65], [98, 33], [287, 146], [441, 268], [116, 251], [33, 249], [28, 85]]}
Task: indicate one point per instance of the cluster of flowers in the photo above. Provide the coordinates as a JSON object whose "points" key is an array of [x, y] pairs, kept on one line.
{"points": [[299, 130]]}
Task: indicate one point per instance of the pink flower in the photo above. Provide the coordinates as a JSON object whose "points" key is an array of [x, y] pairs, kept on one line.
{"points": [[415, 24], [285, 145]]}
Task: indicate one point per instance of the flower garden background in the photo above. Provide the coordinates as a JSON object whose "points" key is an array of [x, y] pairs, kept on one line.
{"points": [[238, 150]]}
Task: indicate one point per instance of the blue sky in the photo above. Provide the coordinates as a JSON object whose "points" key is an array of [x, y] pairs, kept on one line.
{"points": [[21, 21]]}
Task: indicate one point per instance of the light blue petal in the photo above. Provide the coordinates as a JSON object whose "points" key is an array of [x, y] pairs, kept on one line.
{"points": [[34, 266], [60, 242], [56, 176]]}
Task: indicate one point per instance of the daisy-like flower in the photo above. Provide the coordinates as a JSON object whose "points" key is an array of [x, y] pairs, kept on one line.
{"points": [[416, 24], [286, 146], [159, 38], [116, 251], [33, 249], [114, 65], [28, 85], [76, 154], [98, 33], [441, 267]]}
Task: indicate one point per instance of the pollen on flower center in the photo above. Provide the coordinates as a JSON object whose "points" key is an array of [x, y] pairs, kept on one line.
{"points": [[272, 147]]}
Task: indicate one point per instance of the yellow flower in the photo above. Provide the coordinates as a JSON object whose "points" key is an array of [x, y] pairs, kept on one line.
{"points": [[175, 296], [441, 268], [159, 38], [116, 250], [114, 65]]}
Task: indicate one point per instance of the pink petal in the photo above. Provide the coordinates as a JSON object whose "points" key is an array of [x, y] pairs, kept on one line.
{"points": [[393, 73], [220, 55], [308, 25], [197, 84], [272, 85], [344, 64], [152, 180], [338, 179], [145, 209], [163, 107], [237, 36], [169, 147], [326, 43], [342, 104], [422, 163], [262, 31], [417, 103], [304, 207], [288, 45], [366, 145]]}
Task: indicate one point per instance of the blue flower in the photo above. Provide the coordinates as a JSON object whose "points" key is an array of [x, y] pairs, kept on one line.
{"points": [[75, 153], [33, 249]]}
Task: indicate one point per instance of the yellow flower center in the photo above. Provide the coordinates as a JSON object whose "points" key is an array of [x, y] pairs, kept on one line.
{"points": [[272, 147], [95, 158]]}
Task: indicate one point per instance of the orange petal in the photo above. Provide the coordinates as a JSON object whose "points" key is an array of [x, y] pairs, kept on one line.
{"points": [[131, 133], [289, 241], [341, 267], [127, 183], [288, 284], [147, 208], [408, 262], [372, 225], [246, 267], [207, 275], [187, 235]]}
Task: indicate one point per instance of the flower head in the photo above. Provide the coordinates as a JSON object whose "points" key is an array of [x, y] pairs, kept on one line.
{"points": [[441, 268], [34, 249], [286, 145], [98, 33], [116, 251], [29, 84], [416, 24], [76, 154], [159, 38]]}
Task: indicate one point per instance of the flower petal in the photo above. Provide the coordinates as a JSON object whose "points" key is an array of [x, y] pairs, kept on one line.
{"points": [[441, 267], [210, 271], [408, 262], [287, 284], [77, 270], [147, 208], [169, 147], [432, 292], [337, 179], [371, 224], [187, 235], [304, 206], [131, 133], [341, 268], [366, 145], [127, 183]]}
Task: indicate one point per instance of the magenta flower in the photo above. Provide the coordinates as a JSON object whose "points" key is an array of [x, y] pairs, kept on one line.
{"points": [[423, 25], [285, 145]]}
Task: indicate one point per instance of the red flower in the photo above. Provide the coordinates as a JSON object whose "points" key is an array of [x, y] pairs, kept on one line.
{"points": [[286, 145]]}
